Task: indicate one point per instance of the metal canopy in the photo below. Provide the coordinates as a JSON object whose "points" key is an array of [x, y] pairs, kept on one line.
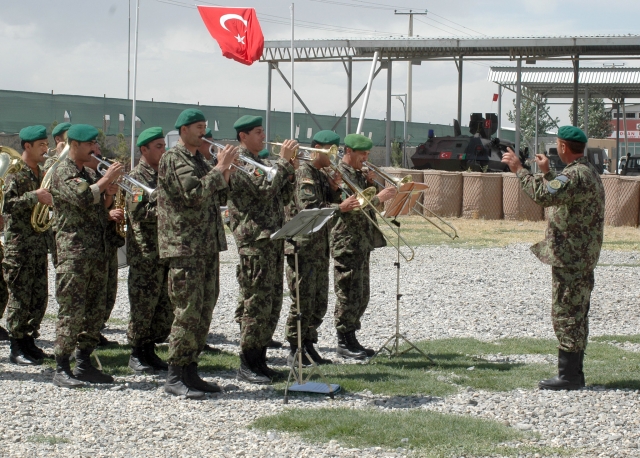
{"points": [[557, 82], [417, 48]]}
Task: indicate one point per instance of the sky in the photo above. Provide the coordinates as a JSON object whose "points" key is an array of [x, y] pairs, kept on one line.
{"points": [[80, 47]]}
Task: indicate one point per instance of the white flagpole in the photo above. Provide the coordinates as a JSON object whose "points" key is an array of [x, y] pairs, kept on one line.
{"points": [[135, 84], [293, 127]]}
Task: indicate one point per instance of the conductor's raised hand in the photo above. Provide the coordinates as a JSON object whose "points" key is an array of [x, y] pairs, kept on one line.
{"points": [[511, 160], [288, 149], [543, 163]]}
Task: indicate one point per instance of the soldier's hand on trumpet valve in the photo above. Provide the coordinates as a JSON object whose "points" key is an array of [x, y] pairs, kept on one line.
{"points": [[288, 149], [114, 172], [226, 156], [351, 203], [44, 196], [387, 194], [117, 215]]}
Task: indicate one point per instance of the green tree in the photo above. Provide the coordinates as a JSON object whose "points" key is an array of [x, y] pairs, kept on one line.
{"points": [[528, 116], [122, 152], [102, 142], [396, 154], [599, 118]]}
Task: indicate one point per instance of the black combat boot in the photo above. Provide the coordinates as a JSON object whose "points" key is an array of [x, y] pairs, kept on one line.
{"points": [[85, 371], [175, 384], [152, 359], [104, 342], [63, 376], [314, 355], [266, 370], [4, 335], [34, 350], [369, 351], [192, 379], [274, 344], [568, 377], [19, 355], [249, 370], [346, 349], [294, 362], [138, 363], [580, 370]]}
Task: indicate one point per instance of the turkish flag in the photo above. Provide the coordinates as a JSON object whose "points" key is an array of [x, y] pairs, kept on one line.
{"points": [[236, 30], [495, 97]]}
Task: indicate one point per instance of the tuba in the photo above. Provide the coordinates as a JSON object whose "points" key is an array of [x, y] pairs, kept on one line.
{"points": [[10, 162], [40, 216]]}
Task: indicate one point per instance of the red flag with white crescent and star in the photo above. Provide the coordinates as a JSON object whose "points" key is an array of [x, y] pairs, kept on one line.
{"points": [[236, 30]]}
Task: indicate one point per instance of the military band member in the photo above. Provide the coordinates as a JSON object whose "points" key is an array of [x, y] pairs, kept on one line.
{"points": [[59, 140], [150, 314], [353, 237], [81, 223], [4, 292], [313, 190], [572, 246], [190, 238], [25, 252], [206, 149], [256, 210]]}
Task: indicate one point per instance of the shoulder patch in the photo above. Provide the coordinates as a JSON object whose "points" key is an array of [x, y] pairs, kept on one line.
{"points": [[557, 183], [306, 181]]}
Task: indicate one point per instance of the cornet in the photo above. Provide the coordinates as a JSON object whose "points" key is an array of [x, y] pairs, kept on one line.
{"points": [[270, 172], [103, 165]]}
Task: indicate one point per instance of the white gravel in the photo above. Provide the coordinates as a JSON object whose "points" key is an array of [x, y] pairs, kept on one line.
{"points": [[480, 293]]}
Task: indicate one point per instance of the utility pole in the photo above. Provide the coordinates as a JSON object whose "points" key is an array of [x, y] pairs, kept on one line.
{"points": [[409, 64]]}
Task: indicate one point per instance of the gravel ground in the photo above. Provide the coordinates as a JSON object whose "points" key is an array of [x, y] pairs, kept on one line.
{"points": [[447, 292]]}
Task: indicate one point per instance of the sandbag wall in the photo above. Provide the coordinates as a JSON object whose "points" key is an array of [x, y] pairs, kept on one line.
{"points": [[516, 205]]}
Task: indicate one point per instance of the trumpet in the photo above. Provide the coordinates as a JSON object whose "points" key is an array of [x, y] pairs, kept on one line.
{"points": [[41, 213], [10, 162], [304, 152], [126, 187], [270, 172], [397, 183]]}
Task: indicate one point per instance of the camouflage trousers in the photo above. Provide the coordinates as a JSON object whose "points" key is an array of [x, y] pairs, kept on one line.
{"points": [[313, 271], [81, 286], [193, 286], [27, 281], [351, 285], [571, 300], [151, 314], [112, 282], [261, 281], [4, 291]]}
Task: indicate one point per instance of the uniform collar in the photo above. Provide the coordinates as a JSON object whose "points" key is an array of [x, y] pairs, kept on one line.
{"points": [[580, 160]]}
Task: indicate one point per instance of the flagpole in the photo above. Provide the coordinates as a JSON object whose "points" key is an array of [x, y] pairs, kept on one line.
{"points": [[292, 86], [135, 84]]}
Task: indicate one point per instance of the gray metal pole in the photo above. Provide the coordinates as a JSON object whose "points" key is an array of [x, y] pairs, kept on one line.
{"points": [[387, 161], [576, 79], [404, 138], [129, 53], [518, 103], [535, 147], [293, 126], [499, 110], [618, 135], [460, 90], [624, 126], [367, 93], [267, 118], [349, 95], [586, 112], [409, 74], [135, 84]]}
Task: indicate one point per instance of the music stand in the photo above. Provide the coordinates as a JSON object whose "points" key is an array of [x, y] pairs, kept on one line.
{"points": [[406, 197], [305, 222]]}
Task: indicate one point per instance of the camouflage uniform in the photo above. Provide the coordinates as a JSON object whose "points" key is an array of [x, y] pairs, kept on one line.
{"points": [[190, 236], [51, 239], [112, 280], [256, 210], [312, 190], [83, 234], [353, 237], [572, 243], [4, 292], [25, 256], [151, 315]]}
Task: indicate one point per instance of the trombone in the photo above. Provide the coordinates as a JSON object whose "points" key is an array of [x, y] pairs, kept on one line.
{"points": [[270, 172], [103, 164], [397, 183]]}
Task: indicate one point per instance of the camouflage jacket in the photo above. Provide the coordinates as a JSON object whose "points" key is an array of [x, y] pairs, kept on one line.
{"points": [[576, 220], [50, 161], [256, 206], [80, 219], [19, 200], [142, 216], [352, 232], [189, 220], [312, 190]]}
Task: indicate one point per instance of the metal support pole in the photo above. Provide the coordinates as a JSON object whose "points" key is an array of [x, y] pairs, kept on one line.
{"points": [[586, 112], [460, 90], [367, 93], [518, 103], [576, 78], [535, 147], [349, 94], [624, 126], [135, 84], [267, 118], [410, 73], [129, 53], [404, 138], [499, 110], [293, 126], [617, 136], [387, 161]]}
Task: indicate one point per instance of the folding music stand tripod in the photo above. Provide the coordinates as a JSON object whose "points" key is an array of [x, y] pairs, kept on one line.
{"points": [[406, 198], [305, 222]]}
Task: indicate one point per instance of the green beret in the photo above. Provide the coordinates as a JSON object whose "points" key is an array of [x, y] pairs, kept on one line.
{"points": [[263, 154], [247, 122], [327, 137], [60, 129], [572, 134], [33, 133], [358, 142], [82, 133], [149, 135], [189, 116], [207, 133]]}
